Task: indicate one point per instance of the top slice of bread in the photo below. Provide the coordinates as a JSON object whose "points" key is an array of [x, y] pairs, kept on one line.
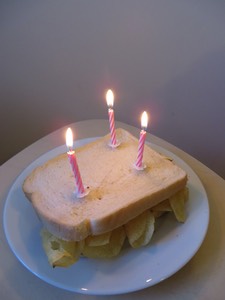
{"points": [[117, 191]]}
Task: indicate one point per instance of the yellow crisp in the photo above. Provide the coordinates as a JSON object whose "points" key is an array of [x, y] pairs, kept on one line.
{"points": [[109, 250], [60, 253], [98, 240], [177, 203], [140, 230]]}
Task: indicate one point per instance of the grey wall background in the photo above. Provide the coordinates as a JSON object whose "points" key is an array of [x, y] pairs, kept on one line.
{"points": [[57, 58]]}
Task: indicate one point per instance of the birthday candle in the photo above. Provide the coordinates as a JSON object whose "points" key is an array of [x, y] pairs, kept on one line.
{"points": [[110, 101], [141, 144], [73, 162]]}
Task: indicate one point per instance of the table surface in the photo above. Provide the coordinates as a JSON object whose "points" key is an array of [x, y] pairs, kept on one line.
{"points": [[202, 277]]}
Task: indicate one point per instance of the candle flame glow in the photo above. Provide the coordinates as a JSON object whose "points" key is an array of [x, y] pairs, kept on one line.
{"points": [[110, 98], [144, 120], [69, 138]]}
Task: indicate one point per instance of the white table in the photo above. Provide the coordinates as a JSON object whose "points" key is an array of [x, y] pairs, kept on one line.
{"points": [[202, 278]]}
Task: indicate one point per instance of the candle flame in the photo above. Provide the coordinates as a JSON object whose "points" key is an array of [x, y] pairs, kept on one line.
{"points": [[110, 98], [144, 120], [69, 138]]}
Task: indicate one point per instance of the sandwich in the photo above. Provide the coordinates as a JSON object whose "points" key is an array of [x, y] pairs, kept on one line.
{"points": [[122, 203]]}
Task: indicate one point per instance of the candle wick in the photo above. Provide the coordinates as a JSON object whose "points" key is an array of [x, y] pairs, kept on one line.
{"points": [[70, 149]]}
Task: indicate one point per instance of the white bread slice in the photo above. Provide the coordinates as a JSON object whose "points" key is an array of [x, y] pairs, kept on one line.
{"points": [[117, 191]]}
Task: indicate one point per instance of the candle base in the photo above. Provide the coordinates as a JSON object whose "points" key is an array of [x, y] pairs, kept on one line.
{"points": [[82, 195], [114, 145], [141, 168]]}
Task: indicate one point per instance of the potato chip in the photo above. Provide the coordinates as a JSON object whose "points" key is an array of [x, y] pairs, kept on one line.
{"points": [[177, 203], [139, 231], [157, 214], [135, 228], [109, 250], [162, 206], [98, 240], [60, 253], [147, 235]]}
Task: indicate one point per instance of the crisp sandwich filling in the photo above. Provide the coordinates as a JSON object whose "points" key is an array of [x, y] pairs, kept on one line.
{"points": [[138, 232]]}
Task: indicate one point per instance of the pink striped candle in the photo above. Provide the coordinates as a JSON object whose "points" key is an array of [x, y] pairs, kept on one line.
{"points": [[110, 101], [74, 165], [141, 144]]}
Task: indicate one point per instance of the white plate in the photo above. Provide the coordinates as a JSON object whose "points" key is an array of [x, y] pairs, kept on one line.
{"points": [[172, 245]]}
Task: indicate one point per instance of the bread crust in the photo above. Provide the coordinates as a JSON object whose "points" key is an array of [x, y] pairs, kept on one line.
{"points": [[117, 191]]}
